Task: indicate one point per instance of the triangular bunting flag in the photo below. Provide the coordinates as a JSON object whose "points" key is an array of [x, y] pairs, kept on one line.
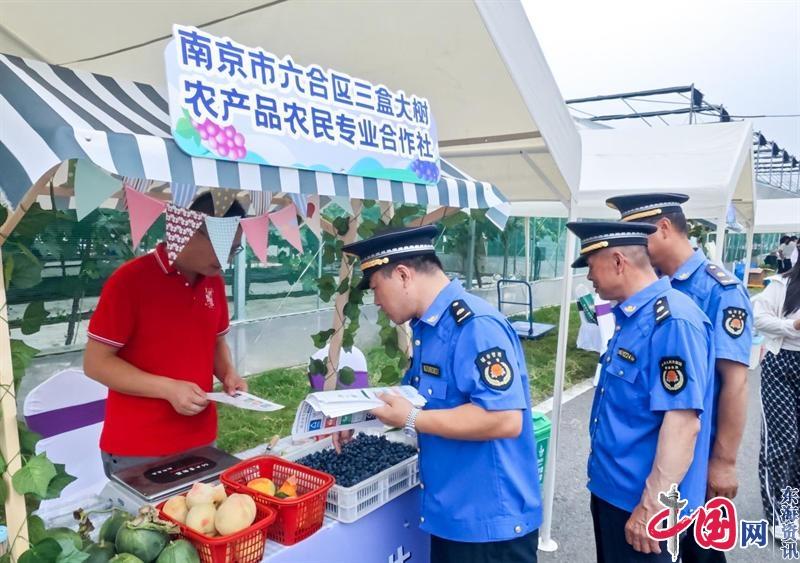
{"points": [[182, 224], [183, 194], [285, 220], [141, 185], [222, 231], [256, 231], [259, 202], [143, 210], [223, 199], [312, 216], [93, 186]]}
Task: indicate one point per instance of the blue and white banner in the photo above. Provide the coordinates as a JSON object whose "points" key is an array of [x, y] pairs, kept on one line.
{"points": [[232, 102]]}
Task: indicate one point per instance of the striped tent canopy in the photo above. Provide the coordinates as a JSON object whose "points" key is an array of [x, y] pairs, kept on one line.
{"points": [[50, 114]]}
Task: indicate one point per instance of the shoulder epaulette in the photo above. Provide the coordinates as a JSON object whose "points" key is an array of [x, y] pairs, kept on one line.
{"points": [[720, 275], [461, 311], [661, 309]]}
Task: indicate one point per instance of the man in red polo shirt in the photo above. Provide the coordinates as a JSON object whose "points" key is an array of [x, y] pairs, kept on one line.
{"points": [[156, 340]]}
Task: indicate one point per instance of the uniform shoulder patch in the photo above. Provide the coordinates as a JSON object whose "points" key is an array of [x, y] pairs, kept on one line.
{"points": [[496, 372], [661, 309], [460, 311], [673, 375], [721, 276], [734, 321]]}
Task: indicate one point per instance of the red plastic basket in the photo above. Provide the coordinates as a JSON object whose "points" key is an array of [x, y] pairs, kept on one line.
{"points": [[246, 546], [298, 517]]}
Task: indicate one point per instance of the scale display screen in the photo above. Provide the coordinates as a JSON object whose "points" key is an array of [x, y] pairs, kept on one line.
{"points": [[163, 477], [180, 469]]}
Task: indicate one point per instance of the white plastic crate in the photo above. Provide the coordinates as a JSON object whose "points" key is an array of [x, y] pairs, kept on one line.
{"points": [[348, 504]]}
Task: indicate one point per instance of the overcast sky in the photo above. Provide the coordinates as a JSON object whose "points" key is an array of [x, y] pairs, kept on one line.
{"points": [[742, 54]]}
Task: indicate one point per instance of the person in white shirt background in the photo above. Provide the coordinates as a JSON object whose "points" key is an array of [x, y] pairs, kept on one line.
{"points": [[777, 317]]}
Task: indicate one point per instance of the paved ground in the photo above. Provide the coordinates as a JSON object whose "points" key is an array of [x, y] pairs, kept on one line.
{"points": [[572, 526]]}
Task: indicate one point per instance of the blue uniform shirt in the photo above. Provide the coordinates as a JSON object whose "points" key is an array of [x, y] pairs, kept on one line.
{"points": [[659, 359], [726, 303], [474, 491]]}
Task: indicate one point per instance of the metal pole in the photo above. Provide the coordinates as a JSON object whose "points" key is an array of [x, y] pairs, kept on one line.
{"points": [[470, 254], [239, 285], [748, 251], [527, 249], [720, 242], [546, 542], [533, 236]]}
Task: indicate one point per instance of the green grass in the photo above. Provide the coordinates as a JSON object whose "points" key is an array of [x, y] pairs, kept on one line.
{"points": [[240, 429]]}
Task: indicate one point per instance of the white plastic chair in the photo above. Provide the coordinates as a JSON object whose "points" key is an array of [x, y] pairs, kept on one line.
{"points": [[68, 411]]}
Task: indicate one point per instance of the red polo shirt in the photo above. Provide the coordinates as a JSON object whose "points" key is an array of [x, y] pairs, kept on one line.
{"points": [[165, 326]]}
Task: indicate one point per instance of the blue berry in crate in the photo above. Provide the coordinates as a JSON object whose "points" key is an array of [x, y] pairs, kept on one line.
{"points": [[360, 459]]}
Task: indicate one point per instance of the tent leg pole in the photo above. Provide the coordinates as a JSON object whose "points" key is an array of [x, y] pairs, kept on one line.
{"points": [[527, 249], [748, 252], [16, 512], [719, 253], [546, 542], [470, 271]]}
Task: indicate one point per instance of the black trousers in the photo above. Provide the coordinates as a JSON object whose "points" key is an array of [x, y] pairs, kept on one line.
{"points": [[518, 550], [779, 459], [693, 553], [609, 536]]}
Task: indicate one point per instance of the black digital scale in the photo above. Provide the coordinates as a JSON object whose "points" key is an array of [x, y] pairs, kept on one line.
{"points": [[155, 481]]}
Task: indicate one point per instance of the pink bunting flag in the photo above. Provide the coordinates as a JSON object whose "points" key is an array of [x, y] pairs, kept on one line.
{"points": [[256, 230], [182, 224], [143, 211], [285, 220]]}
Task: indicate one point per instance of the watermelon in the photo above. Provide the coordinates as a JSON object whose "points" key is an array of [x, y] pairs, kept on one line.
{"points": [[99, 553], [109, 529], [125, 558], [143, 543], [179, 551]]}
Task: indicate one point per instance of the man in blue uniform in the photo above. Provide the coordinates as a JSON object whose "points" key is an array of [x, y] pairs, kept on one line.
{"points": [[647, 426], [726, 303], [478, 477]]}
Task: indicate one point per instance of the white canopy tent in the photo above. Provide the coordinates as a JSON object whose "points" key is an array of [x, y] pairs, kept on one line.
{"points": [[479, 65], [778, 216]]}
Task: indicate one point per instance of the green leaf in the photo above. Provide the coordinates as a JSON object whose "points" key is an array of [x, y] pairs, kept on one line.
{"points": [[366, 229], [21, 357], [27, 270], [342, 225], [183, 128], [347, 376], [8, 268], [70, 553], [35, 222], [35, 476], [3, 214], [33, 317], [327, 287], [27, 439], [36, 530], [343, 286], [45, 551], [6, 558], [3, 491], [316, 367], [321, 338], [59, 482]]}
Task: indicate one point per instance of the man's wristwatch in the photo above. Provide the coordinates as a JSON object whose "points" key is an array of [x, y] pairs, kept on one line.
{"points": [[411, 422]]}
